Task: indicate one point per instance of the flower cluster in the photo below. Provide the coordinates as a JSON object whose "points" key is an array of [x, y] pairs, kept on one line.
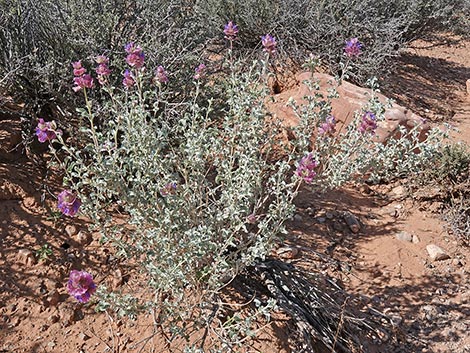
{"points": [[353, 48], [82, 79], [81, 285], [160, 75], [305, 169], [328, 128], [128, 81], [102, 70], [135, 56], [68, 203], [168, 189], [269, 44], [368, 123], [200, 72], [231, 31], [47, 130]]}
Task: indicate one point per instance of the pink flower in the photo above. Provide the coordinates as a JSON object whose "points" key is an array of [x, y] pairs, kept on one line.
{"points": [[68, 203], [128, 80], [84, 81], [200, 71], [160, 75], [46, 131], [328, 128], [81, 285], [231, 31], [353, 48], [135, 57], [368, 123], [305, 169], [269, 44], [78, 70], [168, 189]]}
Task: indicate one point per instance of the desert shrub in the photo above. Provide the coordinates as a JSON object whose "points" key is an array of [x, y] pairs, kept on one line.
{"points": [[39, 38], [205, 189], [320, 27]]}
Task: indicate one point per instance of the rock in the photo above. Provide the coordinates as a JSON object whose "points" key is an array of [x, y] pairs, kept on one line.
{"points": [[26, 257], [83, 337], [329, 215], [352, 222], [83, 238], [398, 192], [415, 239], [68, 314], [457, 262], [53, 319], [321, 219], [287, 252], [429, 312], [298, 218], [71, 230], [436, 253], [404, 236], [468, 86], [53, 297], [118, 280]]}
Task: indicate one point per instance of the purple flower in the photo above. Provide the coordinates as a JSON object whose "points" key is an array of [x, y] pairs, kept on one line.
{"points": [[231, 31], [160, 75], [269, 44], [135, 57], [78, 70], [84, 81], [68, 203], [368, 123], [168, 189], [128, 80], [81, 285], [328, 128], [200, 71], [46, 131], [305, 169], [353, 48]]}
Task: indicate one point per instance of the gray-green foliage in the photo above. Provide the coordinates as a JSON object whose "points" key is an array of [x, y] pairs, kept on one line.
{"points": [[234, 182]]}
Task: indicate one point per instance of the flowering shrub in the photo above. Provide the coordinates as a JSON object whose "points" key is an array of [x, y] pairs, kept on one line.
{"points": [[81, 285], [205, 189]]}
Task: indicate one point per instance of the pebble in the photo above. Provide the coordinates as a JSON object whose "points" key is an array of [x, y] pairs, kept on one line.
{"points": [[288, 252], [117, 279], [404, 236], [26, 257], [53, 298], [415, 239], [436, 253], [298, 218], [71, 230], [321, 219], [352, 222], [83, 238]]}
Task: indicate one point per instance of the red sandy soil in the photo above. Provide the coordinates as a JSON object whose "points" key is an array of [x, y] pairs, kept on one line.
{"points": [[427, 303]]}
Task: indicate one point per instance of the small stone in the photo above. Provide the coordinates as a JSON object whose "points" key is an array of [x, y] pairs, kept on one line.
{"points": [[404, 236], [71, 230], [67, 314], [83, 337], [398, 192], [468, 86], [429, 312], [457, 262], [329, 215], [436, 253], [352, 222], [53, 297], [83, 238], [298, 218], [26, 257], [287, 252], [321, 219], [53, 319], [415, 239], [117, 279]]}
